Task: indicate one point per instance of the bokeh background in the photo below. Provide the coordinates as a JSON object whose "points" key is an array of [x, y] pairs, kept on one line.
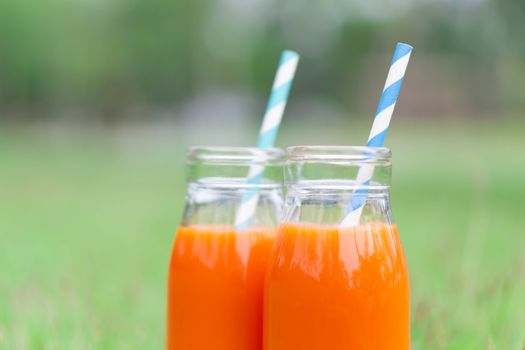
{"points": [[100, 98]]}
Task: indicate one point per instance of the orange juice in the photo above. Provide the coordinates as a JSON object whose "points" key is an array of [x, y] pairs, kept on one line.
{"points": [[332, 288], [215, 288]]}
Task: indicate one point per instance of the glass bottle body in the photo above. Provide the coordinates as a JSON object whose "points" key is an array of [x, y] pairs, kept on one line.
{"points": [[334, 286], [216, 274]]}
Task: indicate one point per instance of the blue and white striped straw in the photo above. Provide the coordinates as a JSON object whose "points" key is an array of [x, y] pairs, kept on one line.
{"points": [[385, 109], [270, 126]]}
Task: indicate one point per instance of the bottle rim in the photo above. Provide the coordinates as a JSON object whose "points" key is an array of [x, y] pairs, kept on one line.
{"points": [[224, 155], [323, 153]]}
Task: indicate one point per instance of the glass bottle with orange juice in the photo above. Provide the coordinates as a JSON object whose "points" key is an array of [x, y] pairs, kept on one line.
{"points": [[334, 286], [216, 273]]}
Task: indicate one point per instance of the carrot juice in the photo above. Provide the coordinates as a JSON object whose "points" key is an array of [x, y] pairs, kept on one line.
{"points": [[337, 288], [215, 288]]}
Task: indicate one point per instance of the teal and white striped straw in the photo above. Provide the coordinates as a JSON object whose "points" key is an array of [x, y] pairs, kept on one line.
{"points": [[270, 126], [385, 109]]}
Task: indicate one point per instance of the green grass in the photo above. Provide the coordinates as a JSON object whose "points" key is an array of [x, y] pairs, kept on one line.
{"points": [[87, 221]]}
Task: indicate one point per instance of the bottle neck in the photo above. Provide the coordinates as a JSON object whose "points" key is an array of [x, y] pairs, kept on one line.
{"points": [[339, 169], [220, 179], [325, 183]]}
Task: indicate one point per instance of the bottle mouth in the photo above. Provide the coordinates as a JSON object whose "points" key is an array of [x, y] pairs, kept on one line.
{"points": [[236, 155], [340, 154], [330, 169]]}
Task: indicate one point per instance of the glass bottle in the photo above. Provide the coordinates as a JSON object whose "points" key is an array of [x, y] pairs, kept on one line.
{"points": [[216, 273], [334, 286]]}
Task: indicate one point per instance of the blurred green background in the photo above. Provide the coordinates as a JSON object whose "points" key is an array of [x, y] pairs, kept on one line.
{"points": [[99, 100]]}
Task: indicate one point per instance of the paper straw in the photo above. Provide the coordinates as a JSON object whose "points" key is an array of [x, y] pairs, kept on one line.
{"points": [[268, 133], [385, 109]]}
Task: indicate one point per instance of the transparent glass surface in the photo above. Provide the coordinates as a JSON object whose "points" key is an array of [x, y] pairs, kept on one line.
{"points": [[217, 183], [334, 286], [216, 274]]}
